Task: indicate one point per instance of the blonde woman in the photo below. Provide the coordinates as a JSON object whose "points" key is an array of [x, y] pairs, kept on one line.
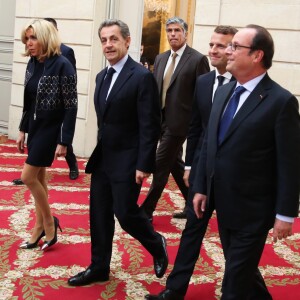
{"points": [[49, 116]]}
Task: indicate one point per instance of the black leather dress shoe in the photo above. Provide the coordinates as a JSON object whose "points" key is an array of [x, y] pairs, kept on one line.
{"points": [[165, 295], [161, 263], [180, 215], [74, 173], [17, 181], [87, 277]]}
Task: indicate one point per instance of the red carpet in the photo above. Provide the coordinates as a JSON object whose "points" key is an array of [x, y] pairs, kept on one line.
{"points": [[32, 274]]}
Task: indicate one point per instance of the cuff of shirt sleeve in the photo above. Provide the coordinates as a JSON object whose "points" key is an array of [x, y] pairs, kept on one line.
{"points": [[186, 168], [285, 218]]}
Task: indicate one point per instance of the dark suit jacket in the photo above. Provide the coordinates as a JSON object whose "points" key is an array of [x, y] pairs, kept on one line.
{"points": [[68, 52], [179, 97], [200, 116], [129, 124], [254, 173]]}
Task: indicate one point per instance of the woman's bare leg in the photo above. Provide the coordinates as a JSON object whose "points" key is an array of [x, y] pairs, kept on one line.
{"points": [[35, 179]]}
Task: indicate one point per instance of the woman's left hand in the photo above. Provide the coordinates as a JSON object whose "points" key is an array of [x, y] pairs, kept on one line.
{"points": [[21, 142], [60, 151]]}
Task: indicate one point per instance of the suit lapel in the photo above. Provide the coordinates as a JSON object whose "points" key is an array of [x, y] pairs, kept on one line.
{"points": [[232, 79], [255, 98], [98, 107], [221, 97], [161, 69], [185, 56], [208, 85], [124, 75]]}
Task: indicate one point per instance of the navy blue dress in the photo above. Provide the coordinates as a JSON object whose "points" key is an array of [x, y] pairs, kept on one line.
{"points": [[42, 133]]}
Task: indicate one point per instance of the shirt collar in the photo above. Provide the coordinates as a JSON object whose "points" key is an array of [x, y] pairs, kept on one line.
{"points": [[227, 75], [120, 64], [251, 84], [179, 51]]}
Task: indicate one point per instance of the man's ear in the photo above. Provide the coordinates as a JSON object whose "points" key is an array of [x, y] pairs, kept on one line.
{"points": [[128, 40], [258, 55]]}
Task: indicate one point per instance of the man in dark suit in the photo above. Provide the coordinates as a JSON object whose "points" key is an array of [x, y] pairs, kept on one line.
{"points": [[250, 165], [193, 234], [175, 71], [67, 52], [128, 113]]}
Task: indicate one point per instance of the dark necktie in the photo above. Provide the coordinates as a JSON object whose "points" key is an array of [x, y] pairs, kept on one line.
{"points": [[229, 113], [220, 80], [167, 78], [105, 85]]}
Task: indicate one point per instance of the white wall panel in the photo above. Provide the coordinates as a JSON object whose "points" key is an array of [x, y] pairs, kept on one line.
{"points": [[281, 18]]}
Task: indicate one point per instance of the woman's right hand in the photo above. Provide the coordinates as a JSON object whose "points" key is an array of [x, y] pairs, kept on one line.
{"points": [[20, 142]]}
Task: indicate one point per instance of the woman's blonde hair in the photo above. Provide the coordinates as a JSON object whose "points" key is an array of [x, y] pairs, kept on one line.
{"points": [[47, 36]]}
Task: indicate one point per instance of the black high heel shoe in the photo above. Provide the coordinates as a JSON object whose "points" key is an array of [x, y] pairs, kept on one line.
{"points": [[48, 244], [27, 245]]}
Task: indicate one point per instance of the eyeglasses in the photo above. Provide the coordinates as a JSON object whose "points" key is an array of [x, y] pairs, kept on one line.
{"points": [[236, 46]]}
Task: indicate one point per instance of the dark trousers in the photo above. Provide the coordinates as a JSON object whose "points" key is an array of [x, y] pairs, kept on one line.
{"points": [[119, 198], [71, 158], [168, 160], [242, 279], [189, 248]]}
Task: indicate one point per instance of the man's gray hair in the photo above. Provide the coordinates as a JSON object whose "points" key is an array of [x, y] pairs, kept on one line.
{"points": [[111, 22], [177, 20]]}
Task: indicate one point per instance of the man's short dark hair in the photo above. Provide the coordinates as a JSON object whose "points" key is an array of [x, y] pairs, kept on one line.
{"points": [[226, 30], [263, 41]]}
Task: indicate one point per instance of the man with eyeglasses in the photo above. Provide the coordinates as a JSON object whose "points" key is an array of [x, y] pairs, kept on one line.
{"points": [[193, 234], [250, 165]]}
